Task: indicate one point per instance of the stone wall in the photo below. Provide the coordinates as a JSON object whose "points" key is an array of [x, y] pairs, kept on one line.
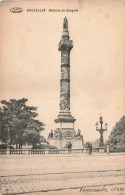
{"points": [[60, 144]]}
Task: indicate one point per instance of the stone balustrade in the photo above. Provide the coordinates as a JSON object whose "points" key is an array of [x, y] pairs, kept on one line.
{"points": [[49, 151]]}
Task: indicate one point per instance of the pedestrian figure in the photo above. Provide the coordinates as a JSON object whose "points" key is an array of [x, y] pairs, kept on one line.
{"points": [[90, 149], [107, 148], [69, 147]]}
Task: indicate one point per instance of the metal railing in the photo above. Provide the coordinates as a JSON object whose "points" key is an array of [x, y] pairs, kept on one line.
{"points": [[49, 151]]}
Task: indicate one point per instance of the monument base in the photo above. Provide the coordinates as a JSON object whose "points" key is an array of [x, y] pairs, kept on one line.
{"points": [[61, 144]]}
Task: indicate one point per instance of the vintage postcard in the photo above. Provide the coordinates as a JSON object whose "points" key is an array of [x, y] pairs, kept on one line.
{"points": [[62, 90]]}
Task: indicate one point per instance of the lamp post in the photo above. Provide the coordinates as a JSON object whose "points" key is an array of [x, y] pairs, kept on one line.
{"points": [[101, 130]]}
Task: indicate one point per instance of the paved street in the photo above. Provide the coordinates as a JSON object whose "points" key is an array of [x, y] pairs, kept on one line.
{"points": [[62, 174]]}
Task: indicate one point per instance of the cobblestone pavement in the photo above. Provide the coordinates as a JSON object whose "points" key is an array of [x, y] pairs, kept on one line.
{"points": [[62, 174]]}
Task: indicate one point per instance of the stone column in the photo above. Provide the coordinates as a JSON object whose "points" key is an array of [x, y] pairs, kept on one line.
{"points": [[65, 47], [65, 120]]}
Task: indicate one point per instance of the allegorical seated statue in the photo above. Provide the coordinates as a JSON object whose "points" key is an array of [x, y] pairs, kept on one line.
{"points": [[78, 132], [78, 135], [60, 135], [57, 134], [50, 136]]}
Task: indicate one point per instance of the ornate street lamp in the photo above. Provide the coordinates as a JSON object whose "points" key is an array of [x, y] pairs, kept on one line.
{"points": [[101, 130]]}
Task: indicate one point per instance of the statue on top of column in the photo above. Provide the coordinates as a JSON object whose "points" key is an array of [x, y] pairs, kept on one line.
{"points": [[65, 24]]}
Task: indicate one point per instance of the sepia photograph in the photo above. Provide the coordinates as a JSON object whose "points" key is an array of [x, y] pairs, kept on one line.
{"points": [[62, 97]]}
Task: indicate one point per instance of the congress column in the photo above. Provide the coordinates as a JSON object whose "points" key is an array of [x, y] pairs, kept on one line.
{"points": [[65, 134], [65, 47]]}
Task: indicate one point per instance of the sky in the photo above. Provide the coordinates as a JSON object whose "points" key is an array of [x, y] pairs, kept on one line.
{"points": [[30, 60]]}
